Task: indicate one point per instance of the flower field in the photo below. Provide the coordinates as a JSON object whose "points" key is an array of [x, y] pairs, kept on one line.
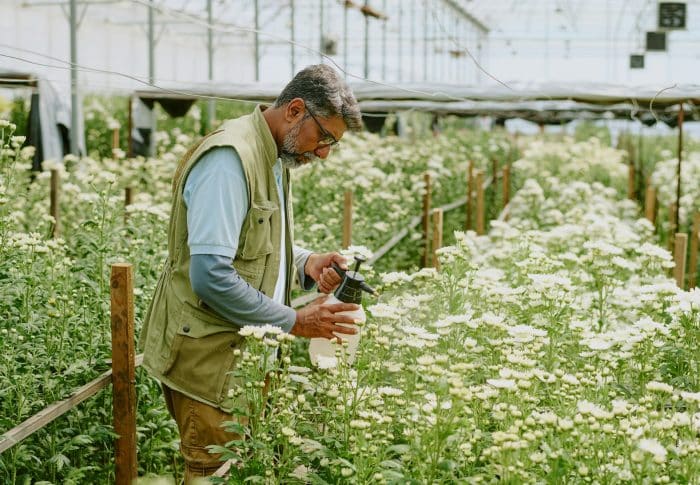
{"points": [[555, 349], [55, 330]]}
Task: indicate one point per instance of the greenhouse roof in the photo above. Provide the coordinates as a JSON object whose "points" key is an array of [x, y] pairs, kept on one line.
{"points": [[593, 93]]}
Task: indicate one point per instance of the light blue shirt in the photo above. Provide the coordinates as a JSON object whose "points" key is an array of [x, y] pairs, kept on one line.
{"points": [[216, 196]]}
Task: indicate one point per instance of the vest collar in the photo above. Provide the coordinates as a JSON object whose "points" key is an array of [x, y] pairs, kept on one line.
{"points": [[268, 145]]}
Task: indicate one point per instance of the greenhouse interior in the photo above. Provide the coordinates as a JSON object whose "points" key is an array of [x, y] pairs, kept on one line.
{"points": [[486, 271]]}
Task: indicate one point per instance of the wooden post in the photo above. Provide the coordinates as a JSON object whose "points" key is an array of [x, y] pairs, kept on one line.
{"points": [[128, 200], [494, 169], [506, 185], [129, 129], [128, 196], [53, 209], [437, 236], [630, 181], [115, 139], [694, 240], [673, 223], [470, 195], [480, 209], [426, 220], [650, 204], [123, 372], [680, 246], [680, 159], [347, 220]]}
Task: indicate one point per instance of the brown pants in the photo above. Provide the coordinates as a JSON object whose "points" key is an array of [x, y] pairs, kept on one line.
{"points": [[200, 426]]}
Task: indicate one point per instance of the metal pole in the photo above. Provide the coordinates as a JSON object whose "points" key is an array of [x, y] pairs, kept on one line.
{"points": [[345, 39], [413, 39], [320, 31], [680, 151], [384, 42], [210, 58], [425, 40], [291, 45], [151, 73], [366, 42], [458, 49], [400, 46], [74, 77], [257, 42]]}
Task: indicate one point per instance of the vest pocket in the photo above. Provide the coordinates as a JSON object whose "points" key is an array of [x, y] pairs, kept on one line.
{"points": [[201, 365], [257, 241]]}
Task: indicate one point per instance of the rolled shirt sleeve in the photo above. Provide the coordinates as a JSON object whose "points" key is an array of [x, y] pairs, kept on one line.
{"points": [[301, 256]]}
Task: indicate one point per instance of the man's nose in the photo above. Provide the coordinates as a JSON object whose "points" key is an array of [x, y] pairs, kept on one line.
{"points": [[322, 152]]}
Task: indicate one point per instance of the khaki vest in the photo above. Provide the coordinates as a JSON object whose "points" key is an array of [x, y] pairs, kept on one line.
{"points": [[186, 345]]}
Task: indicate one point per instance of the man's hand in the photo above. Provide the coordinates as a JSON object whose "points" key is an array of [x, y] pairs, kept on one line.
{"points": [[317, 320], [318, 267]]}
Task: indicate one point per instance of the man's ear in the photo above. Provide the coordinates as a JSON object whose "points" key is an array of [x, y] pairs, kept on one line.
{"points": [[295, 110]]}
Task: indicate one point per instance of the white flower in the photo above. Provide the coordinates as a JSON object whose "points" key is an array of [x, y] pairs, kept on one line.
{"points": [[652, 446], [655, 386], [525, 333], [503, 384]]}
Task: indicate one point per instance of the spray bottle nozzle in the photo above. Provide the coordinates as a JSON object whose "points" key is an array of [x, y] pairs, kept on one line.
{"points": [[353, 283]]}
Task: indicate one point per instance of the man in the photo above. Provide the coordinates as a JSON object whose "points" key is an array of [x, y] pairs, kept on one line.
{"points": [[231, 260]]}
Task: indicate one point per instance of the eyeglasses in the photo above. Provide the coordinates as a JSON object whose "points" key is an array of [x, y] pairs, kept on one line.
{"points": [[327, 139]]}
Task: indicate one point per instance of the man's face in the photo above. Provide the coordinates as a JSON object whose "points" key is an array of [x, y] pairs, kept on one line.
{"points": [[310, 137]]}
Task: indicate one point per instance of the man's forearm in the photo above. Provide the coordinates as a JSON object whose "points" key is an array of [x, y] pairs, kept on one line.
{"points": [[220, 286]]}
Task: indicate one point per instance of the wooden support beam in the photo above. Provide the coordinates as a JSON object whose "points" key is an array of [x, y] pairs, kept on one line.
{"points": [[650, 204], [673, 224], [680, 246], [693, 262], [437, 236], [506, 185], [470, 196], [427, 202], [115, 139], [123, 372], [480, 206], [347, 220], [57, 409], [54, 201], [631, 181]]}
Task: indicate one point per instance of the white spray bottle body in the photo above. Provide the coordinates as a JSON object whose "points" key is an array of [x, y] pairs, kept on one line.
{"points": [[327, 348]]}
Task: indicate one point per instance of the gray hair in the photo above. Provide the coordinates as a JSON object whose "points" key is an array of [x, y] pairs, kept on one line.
{"points": [[325, 93]]}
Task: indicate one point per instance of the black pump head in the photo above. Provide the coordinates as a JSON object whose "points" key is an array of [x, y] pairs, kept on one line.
{"points": [[353, 284]]}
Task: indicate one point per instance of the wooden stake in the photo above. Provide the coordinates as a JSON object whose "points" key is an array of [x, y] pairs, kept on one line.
{"points": [[347, 219], [480, 206], [437, 236], [494, 169], [53, 209], [680, 246], [129, 128], [673, 223], [123, 372], [650, 204], [115, 139], [630, 181], [506, 185], [693, 263], [128, 200], [128, 196], [426, 220], [470, 196]]}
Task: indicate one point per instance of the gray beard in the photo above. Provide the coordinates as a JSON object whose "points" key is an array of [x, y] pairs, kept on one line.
{"points": [[288, 155]]}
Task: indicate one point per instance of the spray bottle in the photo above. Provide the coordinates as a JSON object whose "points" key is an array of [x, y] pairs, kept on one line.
{"points": [[349, 291]]}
